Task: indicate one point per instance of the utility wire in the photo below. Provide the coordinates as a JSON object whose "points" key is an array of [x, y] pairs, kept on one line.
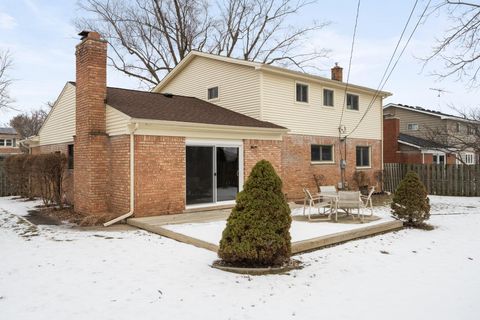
{"points": [[380, 87], [349, 66]]}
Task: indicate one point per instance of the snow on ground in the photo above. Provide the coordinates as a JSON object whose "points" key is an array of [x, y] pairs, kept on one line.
{"points": [[300, 230], [59, 273]]}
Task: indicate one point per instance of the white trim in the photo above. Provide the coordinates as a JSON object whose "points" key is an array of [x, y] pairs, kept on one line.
{"points": [[218, 94], [295, 93], [333, 98], [369, 157]]}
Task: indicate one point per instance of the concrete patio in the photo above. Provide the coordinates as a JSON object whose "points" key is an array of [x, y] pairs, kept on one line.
{"points": [[189, 227]]}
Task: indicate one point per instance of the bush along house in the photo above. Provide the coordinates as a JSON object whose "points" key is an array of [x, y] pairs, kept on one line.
{"points": [[192, 141]]}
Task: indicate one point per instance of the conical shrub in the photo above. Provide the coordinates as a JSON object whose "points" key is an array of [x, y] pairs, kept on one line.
{"points": [[410, 202], [257, 231]]}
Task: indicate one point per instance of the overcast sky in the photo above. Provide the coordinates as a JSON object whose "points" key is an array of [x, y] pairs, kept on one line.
{"points": [[41, 37]]}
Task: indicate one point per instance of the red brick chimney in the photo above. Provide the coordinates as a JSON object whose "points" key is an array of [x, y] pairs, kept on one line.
{"points": [[91, 159], [337, 72], [391, 131]]}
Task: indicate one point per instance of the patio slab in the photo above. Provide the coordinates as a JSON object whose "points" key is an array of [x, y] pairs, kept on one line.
{"points": [[203, 229]]}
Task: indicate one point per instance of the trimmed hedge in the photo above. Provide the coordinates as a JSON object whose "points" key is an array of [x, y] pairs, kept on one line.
{"points": [[257, 231]]}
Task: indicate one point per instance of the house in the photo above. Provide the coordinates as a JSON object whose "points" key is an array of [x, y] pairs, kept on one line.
{"points": [[193, 140], [8, 142], [409, 131]]}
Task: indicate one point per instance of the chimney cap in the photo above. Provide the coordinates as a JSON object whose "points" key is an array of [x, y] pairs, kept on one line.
{"points": [[89, 34]]}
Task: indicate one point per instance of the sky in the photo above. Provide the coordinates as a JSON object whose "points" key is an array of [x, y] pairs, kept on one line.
{"points": [[41, 36]]}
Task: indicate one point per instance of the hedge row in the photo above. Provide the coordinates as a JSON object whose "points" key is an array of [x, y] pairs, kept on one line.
{"points": [[37, 175]]}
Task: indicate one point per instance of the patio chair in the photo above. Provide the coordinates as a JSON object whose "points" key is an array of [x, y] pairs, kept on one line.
{"points": [[349, 200], [367, 201], [318, 201]]}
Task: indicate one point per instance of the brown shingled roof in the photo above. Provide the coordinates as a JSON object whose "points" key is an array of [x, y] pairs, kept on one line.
{"points": [[158, 106]]}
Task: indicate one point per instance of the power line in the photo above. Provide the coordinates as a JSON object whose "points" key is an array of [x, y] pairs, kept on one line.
{"points": [[380, 87], [349, 64]]}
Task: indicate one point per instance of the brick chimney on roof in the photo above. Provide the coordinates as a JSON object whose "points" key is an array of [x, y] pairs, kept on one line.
{"points": [[337, 72], [90, 150]]}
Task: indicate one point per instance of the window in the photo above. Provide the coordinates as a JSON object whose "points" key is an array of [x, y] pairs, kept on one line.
{"points": [[212, 93], [328, 97], [302, 92], [457, 127], [7, 143], [468, 158], [322, 153], [438, 159], [412, 126], [70, 156], [363, 156], [470, 130], [352, 101]]}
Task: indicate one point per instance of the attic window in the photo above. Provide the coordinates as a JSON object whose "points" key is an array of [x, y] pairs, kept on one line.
{"points": [[212, 93], [412, 126]]}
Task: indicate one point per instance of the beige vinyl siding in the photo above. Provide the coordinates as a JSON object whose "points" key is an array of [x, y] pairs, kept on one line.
{"points": [[116, 122], [59, 127], [280, 107], [424, 121], [238, 85]]}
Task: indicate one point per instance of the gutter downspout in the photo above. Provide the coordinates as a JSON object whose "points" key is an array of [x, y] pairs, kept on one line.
{"points": [[132, 127]]}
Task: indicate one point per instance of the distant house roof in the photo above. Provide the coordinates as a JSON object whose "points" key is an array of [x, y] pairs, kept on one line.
{"points": [[419, 142], [427, 111], [7, 130], [157, 106]]}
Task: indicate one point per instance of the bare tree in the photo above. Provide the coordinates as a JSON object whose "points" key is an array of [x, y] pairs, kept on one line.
{"points": [[458, 137], [28, 124], [5, 80], [150, 37], [459, 48]]}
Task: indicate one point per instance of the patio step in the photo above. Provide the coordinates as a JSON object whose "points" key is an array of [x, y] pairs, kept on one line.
{"points": [[344, 236]]}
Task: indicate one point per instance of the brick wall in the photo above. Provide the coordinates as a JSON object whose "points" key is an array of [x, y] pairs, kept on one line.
{"points": [[298, 170], [391, 130], [256, 150], [68, 185], [119, 174], [159, 175]]}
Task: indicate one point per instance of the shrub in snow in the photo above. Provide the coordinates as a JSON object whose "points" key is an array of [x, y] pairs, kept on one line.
{"points": [[257, 231], [410, 202]]}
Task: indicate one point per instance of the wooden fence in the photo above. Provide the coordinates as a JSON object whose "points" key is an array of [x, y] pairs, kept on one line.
{"points": [[4, 187], [445, 180]]}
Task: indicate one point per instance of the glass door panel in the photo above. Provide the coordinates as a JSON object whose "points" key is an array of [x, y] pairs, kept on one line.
{"points": [[227, 173], [199, 171]]}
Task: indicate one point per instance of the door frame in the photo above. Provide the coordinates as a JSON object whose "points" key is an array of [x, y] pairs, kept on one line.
{"points": [[216, 143]]}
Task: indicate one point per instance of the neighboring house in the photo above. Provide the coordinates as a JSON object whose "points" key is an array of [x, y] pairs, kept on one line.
{"points": [[193, 141], [8, 142], [408, 136]]}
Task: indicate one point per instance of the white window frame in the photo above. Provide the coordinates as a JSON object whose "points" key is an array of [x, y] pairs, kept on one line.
{"points": [[218, 93], [322, 161], [4, 143], [333, 98], [412, 126], [308, 92], [467, 157], [369, 157], [438, 155]]}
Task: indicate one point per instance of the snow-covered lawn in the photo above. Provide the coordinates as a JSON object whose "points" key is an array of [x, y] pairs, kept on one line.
{"points": [[56, 272]]}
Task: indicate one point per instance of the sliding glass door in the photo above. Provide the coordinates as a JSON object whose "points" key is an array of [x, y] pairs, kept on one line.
{"points": [[212, 173]]}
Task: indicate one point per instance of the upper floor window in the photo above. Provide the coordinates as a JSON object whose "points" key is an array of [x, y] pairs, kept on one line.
{"points": [[212, 93], [321, 153], [302, 92], [363, 156], [457, 127], [412, 126], [352, 101], [328, 97]]}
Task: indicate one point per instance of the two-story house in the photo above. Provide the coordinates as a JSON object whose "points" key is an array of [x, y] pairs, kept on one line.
{"points": [[193, 140], [8, 142], [418, 135]]}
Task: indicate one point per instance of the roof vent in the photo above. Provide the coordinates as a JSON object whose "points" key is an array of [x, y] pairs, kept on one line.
{"points": [[168, 95]]}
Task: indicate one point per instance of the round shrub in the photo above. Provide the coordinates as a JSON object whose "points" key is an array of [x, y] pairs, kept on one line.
{"points": [[410, 202], [257, 232]]}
